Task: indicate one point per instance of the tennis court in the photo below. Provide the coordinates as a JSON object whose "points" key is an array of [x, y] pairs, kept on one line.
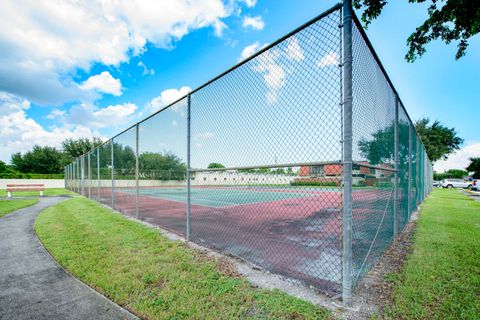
{"points": [[286, 230], [225, 196]]}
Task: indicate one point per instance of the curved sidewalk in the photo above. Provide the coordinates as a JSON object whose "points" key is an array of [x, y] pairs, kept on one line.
{"points": [[33, 285]]}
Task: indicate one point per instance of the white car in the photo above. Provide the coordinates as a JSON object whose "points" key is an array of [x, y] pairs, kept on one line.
{"points": [[456, 183]]}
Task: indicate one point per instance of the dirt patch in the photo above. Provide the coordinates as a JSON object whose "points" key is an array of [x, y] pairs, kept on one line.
{"points": [[376, 287], [224, 265]]}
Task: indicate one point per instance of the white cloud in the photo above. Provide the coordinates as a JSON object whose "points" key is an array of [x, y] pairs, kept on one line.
{"points": [[113, 116], [203, 136], [250, 3], [269, 63], [294, 51], [55, 113], [19, 133], [51, 40], [460, 159], [166, 97], [330, 59], [273, 73], [103, 83], [146, 71], [256, 23], [250, 50]]}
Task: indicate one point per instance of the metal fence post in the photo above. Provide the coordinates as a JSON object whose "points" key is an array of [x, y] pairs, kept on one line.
{"points": [[98, 173], [410, 175], [347, 153], [137, 204], [112, 173], [395, 185], [188, 169], [89, 176], [82, 173], [73, 176]]}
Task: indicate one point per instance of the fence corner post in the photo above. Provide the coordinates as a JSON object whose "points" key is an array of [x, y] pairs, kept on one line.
{"points": [[410, 174], [137, 192], [347, 154], [112, 173], [187, 235], [395, 185]]}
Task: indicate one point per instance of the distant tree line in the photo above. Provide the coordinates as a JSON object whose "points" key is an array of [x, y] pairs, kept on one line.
{"points": [[44, 161]]}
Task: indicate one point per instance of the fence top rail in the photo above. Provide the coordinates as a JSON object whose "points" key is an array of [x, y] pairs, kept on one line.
{"points": [[366, 165], [277, 165]]}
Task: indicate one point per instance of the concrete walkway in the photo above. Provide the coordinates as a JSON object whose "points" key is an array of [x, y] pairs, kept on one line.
{"points": [[33, 285], [475, 195]]}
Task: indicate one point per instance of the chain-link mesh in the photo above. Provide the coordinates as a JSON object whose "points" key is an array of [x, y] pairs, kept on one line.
{"points": [[251, 163], [403, 167], [162, 168], [124, 160], [105, 157], [373, 129], [282, 107], [94, 177]]}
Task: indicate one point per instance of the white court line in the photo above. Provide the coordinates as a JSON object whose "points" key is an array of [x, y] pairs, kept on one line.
{"points": [[229, 204]]}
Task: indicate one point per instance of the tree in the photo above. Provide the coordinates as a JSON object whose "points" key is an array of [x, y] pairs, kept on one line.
{"points": [[474, 167], [39, 160], [158, 166], [215, 165], [124, 161], [76, 147], [450, 174], [3, 167], [381, 148], [448, 20], [439, 140]]}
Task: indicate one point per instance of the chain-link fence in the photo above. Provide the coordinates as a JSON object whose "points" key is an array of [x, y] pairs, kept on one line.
{"points": [[301, 160]]}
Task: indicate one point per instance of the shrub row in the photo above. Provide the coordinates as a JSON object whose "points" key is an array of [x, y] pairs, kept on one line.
{"points": [[18, 175], [313, 183]]}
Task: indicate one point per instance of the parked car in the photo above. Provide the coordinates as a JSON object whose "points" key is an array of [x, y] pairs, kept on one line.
{"points": [[476, 185], [456, 183], [437, 184]]}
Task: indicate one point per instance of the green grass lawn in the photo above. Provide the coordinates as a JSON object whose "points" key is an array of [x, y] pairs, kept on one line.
{"points": [[7, 206], [152, 276], [441, 278], [47, 192]]}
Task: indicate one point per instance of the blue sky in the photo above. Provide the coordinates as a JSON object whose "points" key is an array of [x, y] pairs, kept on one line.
{"points": [[86, 70]]}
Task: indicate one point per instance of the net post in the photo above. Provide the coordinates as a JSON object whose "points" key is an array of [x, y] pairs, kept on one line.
{"points": [[395, 185], [112, 173], [187, 232], [137, 209], [347, 12]]}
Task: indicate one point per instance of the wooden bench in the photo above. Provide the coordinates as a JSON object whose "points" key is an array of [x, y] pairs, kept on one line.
{"points": [[24, 188]]}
